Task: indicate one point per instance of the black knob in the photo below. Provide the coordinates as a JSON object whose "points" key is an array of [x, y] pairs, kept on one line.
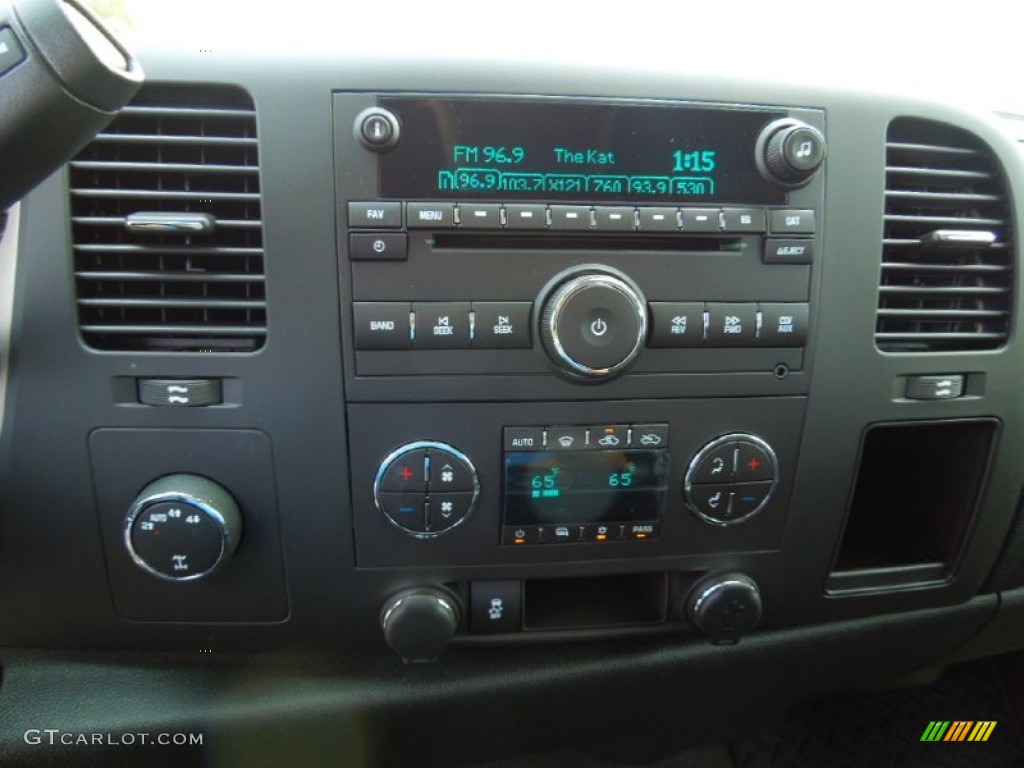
{"points": [[377, 129], [593, 323], [182, 528], [790, 152], [724, 607], [418, 623]]}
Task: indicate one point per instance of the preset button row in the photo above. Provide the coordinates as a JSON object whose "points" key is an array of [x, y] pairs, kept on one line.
{"points": [[622, 218]]}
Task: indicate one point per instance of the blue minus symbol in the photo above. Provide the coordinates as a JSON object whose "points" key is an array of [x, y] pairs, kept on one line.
{"points": [[749, 499], [407, 510]]}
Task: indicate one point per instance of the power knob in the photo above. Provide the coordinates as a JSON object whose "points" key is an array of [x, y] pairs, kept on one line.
{"points": [[182, 528], [790, 152], [724, 607], [593, 324]]}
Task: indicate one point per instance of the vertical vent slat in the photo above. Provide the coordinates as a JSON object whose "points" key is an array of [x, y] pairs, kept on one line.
{"points": [[173, 150], [941, 289]]}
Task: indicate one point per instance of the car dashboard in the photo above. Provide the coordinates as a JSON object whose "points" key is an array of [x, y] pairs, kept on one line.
{"points": [[359, 409]]}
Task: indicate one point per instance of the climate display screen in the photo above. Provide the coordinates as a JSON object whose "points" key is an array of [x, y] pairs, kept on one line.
{"points": [[571, 150], [567, 487]]}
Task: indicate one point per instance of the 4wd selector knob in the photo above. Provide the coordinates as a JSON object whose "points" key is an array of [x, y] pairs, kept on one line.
{"points": [[593, 323], [182, 527], [789, 152]]}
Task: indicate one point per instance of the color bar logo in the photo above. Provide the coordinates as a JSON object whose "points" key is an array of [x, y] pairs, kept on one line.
{"points": [[958, 730]]}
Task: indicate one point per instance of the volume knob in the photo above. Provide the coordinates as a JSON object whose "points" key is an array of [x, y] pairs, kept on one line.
{"points": [[594, 323]]}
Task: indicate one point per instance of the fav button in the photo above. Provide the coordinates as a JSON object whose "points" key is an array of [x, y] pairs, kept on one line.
{"points": [[375, 214]]}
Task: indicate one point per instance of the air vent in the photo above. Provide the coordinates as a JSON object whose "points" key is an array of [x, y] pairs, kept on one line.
{"points": [[166, 225], [947, 256]]}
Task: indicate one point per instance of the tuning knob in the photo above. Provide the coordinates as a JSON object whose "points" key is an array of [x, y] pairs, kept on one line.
{"points": [[724, 607], [593, 323], [418, 623], [182, 528], [790, 152]]}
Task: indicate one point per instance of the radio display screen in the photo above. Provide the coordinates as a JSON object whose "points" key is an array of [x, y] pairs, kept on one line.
{"points": [[582, 487], [569, 150]]}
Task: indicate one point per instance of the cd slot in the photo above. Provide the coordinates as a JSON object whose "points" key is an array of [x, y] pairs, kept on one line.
{"points": [[597, 241]]}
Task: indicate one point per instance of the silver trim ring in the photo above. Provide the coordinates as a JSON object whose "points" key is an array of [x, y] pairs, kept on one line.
{"points": [[390, 459], [172, 497], [699, 457], [567, 291], [727, 580]]}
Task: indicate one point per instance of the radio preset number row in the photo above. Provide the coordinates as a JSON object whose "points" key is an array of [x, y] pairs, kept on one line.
{"points": [[539, 216]]}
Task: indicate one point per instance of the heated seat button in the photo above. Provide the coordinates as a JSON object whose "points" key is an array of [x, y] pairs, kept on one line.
{"points": [[495, 607], [406, 473], [753, 462], [715, 465], [381, 325], [501, 324], [441, 325]]}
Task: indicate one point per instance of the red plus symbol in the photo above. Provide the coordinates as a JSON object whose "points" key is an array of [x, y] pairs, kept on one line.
{"points": [[753, 464], [406, 473]]}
